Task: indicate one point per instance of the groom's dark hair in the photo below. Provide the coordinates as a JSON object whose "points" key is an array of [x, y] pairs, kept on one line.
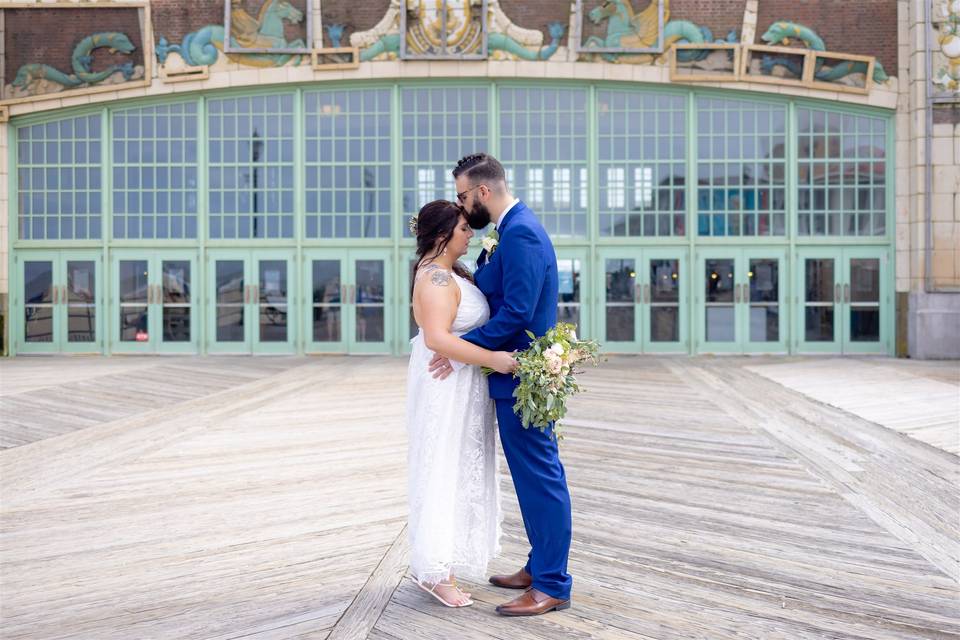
{"points": [[480, 167]]}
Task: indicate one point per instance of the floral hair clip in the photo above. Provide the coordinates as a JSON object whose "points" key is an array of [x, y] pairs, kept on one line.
{"points": [[412, 225]]}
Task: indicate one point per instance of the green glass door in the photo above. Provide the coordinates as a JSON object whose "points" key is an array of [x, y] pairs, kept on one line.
{"points": [[350, 306], [643, 300], [740, 301], [60, 293], [153, 305], [844, 302], [249, 304]]}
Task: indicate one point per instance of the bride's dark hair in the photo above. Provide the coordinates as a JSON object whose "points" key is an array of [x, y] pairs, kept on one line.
{"points": [[436, 223]]}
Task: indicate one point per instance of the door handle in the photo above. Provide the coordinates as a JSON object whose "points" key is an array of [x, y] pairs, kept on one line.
{"points": [[744, 293], [246, 294], [646, 294], [54, 293], [343, 294], [846, 292], [836, 293], [353, 293], [736, 294], [637, 295], [63, 294], [256, 293]]}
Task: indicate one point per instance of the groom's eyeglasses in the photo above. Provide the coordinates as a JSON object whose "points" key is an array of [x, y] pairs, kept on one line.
{"points": [[463, 194]]}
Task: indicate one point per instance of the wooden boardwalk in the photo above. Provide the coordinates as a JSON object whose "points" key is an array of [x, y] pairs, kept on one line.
{"points": [[264, 498]]}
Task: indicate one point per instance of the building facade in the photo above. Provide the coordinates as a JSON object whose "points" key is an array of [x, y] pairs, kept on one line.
{"points": [[719, 176]]}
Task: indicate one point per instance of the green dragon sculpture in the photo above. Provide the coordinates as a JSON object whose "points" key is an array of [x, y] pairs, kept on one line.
{"points": [[81, 61], [782, 32], [390, 43]]}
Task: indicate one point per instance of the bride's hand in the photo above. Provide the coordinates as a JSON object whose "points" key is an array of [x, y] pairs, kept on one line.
{"points": [[503, 362]]}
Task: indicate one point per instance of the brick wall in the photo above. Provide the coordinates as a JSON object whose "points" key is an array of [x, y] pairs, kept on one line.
{"points": [[538, 14], [865, 27], [29, 37], [719, 15], [356, 16], [174, 19]]}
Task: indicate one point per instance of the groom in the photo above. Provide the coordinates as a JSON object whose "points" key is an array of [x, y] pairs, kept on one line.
{"points": [[519, 279]]}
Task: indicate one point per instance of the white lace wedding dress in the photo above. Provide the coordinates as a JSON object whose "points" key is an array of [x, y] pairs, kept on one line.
{"points": [[454, 489]]}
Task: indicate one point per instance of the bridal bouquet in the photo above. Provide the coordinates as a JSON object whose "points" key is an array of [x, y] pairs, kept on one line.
{"points": [[547, 375]]}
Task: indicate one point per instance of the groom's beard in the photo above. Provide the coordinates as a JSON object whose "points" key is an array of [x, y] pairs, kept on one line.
{"points": [[478, 216]]}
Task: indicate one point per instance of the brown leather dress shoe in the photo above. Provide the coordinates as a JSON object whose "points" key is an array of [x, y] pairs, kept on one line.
{"points": [[532, 603], [519, 580]]}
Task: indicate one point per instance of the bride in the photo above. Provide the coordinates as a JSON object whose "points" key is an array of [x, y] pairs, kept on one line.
{"points": [[455, 516]]}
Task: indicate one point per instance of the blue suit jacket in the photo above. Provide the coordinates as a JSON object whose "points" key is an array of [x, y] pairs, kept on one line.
{"points": [[520, 283]]}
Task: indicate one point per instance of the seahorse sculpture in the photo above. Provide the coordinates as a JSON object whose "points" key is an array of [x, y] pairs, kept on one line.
{"points": [[81, 61], [203, 47], [628, 29], [782, 32]]}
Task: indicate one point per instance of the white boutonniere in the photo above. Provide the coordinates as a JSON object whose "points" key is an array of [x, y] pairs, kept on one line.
{"points": [[490, 242]]}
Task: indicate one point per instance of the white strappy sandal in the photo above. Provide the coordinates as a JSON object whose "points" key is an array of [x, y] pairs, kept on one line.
{"points": [[431, 591]]}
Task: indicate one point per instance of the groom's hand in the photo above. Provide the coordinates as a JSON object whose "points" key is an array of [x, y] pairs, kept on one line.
{"points": [[440, 367]]}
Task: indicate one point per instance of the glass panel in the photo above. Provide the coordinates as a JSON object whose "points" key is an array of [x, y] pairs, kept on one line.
{"points": [[176, 324], [543, 147], [568, 309], [59, 178], [741, 168], [719, 280], [133, 323], [230, 287], [665, 324], [720, 323], [326, 324], [133, 281], [864, 324], [176, 300], [642, 147], [38, 324], [370, 321], [37, 282], [664, 281], [818, 324], [348, 163], [273, 300], [81, 301], [818, 280], [370, 324], [865, 280], [326, 281], [764, 323], [621, 323], [764, 279]]}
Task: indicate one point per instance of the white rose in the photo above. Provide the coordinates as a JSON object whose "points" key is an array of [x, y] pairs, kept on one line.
{"points": [[557, 348], [554, 364], [573, 336], [488, 244]]}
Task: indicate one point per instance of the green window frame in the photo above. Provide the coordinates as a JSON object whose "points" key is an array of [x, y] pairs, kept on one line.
{"points": [[741, 167], [155, 172], [251, 166], [59, 175], [841, 174], [642, 163], [347, 163]]}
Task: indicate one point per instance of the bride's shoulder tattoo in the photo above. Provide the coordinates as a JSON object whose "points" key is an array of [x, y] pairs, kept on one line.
{"points": [[438, 275], [440, 278]]}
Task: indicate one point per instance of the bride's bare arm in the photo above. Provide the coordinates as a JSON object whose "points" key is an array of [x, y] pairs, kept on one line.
{"points": [[435, 303]]}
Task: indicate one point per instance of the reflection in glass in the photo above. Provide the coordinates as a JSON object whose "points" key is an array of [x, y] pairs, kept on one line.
{"points": [[273, 300], [819, 299], [568, 308], [664, 300], [621, 276], [81, 301], [719, 312], [133, 281], [864, 324], [764, 279], [176, 300], [865, 300], [230, 287], [325, 278], [370, 315], [37, 296]]}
